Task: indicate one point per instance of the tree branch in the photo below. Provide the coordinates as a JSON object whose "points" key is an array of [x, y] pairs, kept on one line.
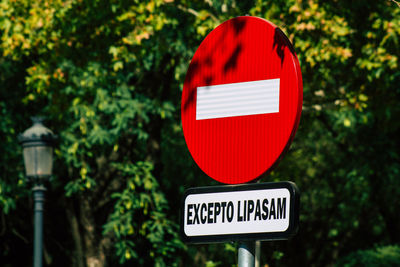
{"points": [[195, 13], [394, 1]]}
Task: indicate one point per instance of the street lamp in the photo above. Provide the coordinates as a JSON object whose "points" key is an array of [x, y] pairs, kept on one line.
{"points": [[37, 143]]}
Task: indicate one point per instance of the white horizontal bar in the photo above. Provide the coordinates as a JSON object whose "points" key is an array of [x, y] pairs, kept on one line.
{"points": [[237, 99]]}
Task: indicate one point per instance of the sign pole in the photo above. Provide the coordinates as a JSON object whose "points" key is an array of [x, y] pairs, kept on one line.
{"points": [[258, 251], [246, 254]]}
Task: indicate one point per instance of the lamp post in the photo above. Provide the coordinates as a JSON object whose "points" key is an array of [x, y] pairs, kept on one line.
{"points": [[37, 143]]}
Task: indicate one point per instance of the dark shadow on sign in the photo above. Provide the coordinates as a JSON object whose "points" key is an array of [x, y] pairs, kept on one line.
{"points": [[194, 67], [190, 99], [232, 60], [208, 80], [238, 25], [208, 61], [281, 42]]}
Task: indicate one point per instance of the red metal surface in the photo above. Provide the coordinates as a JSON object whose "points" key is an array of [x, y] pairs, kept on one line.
{"points": [[240, 149]]}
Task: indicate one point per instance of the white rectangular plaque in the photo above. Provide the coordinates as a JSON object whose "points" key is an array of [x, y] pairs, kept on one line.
{"points": [[237, 99]]}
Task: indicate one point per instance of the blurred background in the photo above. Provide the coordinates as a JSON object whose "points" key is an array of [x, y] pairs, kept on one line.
{"points": [[108, 77]]}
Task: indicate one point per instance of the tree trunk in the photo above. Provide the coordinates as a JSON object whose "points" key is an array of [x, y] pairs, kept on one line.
{"points": [[78, 259], [90, 245], [94, 256]]}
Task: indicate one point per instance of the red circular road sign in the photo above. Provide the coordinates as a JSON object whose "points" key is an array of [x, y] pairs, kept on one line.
{"points": [[241, 100]]}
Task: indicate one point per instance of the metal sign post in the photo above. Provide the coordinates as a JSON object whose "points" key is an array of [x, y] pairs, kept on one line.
{"points": [[246, 254], [258, 254]]}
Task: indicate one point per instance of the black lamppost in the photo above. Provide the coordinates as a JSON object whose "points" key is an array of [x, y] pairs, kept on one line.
{"points": [[37, 143]]}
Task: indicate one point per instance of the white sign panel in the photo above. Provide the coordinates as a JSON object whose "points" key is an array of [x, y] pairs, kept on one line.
{"points": [[237, 99], [257, 211]]}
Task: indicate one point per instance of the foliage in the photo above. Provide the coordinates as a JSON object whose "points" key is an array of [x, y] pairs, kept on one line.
{"points": [[140, 211], [108, 75], [381, 256]]}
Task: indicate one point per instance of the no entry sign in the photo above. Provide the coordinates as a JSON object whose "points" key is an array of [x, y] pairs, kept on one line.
{"points": [[242, 100], [267, 211]]}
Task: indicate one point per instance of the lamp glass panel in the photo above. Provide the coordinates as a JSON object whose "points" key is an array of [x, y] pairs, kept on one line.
{"points": [[38, 160]]}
